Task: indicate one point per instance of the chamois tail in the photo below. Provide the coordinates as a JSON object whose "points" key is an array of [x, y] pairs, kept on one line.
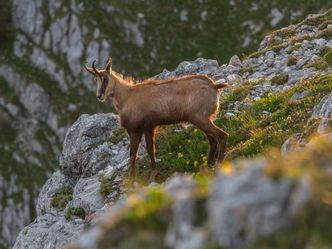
{"points": [[220, 86]]}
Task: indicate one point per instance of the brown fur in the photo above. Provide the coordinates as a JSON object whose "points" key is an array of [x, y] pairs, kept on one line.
{"points": [[143, 107]]}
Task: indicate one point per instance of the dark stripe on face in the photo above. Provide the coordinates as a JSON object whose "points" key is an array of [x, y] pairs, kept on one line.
{"points": [[103, 86]]}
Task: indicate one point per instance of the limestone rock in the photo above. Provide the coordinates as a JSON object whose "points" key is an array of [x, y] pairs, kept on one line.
{"points": [[85, 148], [199, 66], [325, 126], [235, 61], [86, 195], [293, 143], [53, 185], [324, 108], [36, 101], [50, 230], [324, 111], [247, 205], [85, 145]]}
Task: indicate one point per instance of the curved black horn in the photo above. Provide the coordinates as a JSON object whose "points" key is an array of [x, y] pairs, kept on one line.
{"points": [[94, 68], [89, 69]]}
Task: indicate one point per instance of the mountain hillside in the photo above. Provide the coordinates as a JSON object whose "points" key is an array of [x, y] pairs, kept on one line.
{"points": [[43, 88], [273, 191]]}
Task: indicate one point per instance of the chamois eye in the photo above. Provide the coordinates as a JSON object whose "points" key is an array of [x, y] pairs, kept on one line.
{"points": [[105, 79]]}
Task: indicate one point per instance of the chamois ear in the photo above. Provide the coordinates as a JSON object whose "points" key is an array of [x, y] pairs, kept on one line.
{"points": [[109, 65]]}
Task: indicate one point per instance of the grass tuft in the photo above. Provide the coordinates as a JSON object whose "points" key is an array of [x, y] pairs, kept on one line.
{"points": [[247, 69], [292, 60], [280, 79], [75, 211], [61, 199], [319, 64]]}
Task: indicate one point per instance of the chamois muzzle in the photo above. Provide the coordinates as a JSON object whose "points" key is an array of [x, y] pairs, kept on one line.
{"points": [[100, 97]]}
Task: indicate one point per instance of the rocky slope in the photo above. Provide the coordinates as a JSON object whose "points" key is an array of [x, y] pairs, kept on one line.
{"points": [[281, 92], [43, 88]]}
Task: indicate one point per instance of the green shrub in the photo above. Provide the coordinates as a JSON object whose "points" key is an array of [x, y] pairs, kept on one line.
{"points": [[280, 79], [328, 57], [106, 188], [117, 136], [61, 199], [292, 60], [247, 69], [75, 211]]}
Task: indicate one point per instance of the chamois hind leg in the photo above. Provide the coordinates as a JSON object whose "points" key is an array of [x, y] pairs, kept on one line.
{"points": [[213, 148], [213, 132], [135, 139], [150, 147], [222, 143]]}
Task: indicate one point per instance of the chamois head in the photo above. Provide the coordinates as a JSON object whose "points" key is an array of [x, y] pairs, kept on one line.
{"points": [[104, 80]]}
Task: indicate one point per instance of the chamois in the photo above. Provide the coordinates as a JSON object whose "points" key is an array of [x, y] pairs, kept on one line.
{"points": [[144, 106]]}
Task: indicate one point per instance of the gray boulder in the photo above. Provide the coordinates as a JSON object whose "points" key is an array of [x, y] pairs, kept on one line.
{"points": [[299, 96], [325, 126], [85, 150], [295, 142], [235, 61], [182, 232], [324, 108], [53, 185], [324, 111], [86, 195], [50, 230], [247, 205], [88, 160]]}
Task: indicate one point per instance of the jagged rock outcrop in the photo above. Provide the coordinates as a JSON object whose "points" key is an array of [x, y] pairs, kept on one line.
{"points": [[50, 230], [83, 152], [42, 82], [88, 160]]}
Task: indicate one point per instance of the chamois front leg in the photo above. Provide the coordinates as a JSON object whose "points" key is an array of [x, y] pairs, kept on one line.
{"points": [[150, 147], [135, 139]]}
